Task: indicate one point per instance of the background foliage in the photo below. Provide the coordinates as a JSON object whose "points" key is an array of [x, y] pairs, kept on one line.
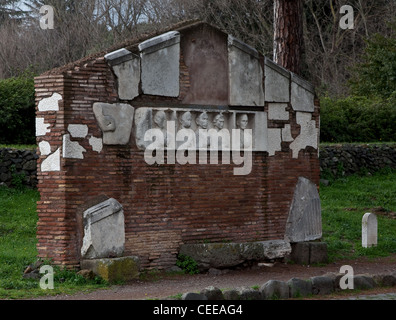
{"points": [[17, 110], [368, 114], [354, 71], [358, 119], [376, 74]]}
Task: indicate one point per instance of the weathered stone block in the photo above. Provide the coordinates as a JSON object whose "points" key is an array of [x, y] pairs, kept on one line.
{"points": [[274, 249], [52, 162], [222, 255], [115, 121], [215, 255], [277, 111], [260, 132], [247, 293], [302, 94], [305, 219], [277, 82], [309, 252], [104, 231], [77, 130], [336, 278], [213, 293], [385, 280], [72, 149], [246, 74], [44, 148], [114, 269], [299, 287], [322, 285], [128, 78], [42, 128], [275, 289], [231, 294], [286, 133], [318, 252], [363, 282], [308, 136], [126, 67], [193, 296], [160, 65], [51, 103], [274, 140], [118, 56]]}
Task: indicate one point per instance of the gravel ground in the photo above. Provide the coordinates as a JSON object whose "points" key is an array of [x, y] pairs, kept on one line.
{"points": [[163, 286]]}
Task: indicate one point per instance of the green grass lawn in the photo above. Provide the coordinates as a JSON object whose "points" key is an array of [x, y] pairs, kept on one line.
{"points": [[19, 146], [17, 236], [344, 203], [18, 219]]}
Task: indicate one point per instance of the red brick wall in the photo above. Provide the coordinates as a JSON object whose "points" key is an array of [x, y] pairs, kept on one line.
{"points": [[164, 205], [57, 229], [52, 228]]}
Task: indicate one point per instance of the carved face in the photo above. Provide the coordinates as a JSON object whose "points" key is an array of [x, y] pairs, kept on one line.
{"points": [[202, 120], [159, 119], [219, 122], [242, 121], [186, 119]]}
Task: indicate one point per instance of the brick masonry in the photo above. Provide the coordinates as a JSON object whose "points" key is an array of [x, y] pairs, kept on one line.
{"points": [[164, 205], [337, 160]]}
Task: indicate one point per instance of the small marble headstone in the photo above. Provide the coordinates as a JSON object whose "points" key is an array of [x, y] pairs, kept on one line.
{"points": [[369, 230]]}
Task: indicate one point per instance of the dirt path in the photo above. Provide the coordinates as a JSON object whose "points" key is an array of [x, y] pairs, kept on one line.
{"points": [[166, 285]]}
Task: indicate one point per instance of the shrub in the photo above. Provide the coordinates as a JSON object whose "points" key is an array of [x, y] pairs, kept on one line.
{"points": [[358, 119], [187, 264], [17, 110], [369, 114]]}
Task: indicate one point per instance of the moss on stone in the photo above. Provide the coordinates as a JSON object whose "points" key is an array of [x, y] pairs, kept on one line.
{"points": [[116, 269]]}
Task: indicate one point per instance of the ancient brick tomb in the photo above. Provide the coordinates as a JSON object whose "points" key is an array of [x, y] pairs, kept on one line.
{"points": [[181, 138]]}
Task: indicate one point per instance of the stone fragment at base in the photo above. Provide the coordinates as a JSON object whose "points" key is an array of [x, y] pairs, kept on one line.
{"points": [[225, 255], [114, 269]]}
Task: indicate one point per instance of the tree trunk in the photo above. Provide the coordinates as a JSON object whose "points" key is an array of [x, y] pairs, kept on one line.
{"points": [[288, 34]]}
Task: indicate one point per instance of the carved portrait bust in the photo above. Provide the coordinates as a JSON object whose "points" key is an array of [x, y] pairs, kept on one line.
{"points": [[186, 119], [245, 137], [242, 121], [202, 121], [160, 119], [218, 122]]}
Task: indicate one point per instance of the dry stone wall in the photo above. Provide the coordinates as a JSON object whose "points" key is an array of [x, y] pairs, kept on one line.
{"points": [[344, 160], [18, 167], [338, 160]]}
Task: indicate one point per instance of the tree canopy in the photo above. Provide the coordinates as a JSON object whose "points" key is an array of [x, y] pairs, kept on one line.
{"points": [[375, 75], [84, 27]]}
